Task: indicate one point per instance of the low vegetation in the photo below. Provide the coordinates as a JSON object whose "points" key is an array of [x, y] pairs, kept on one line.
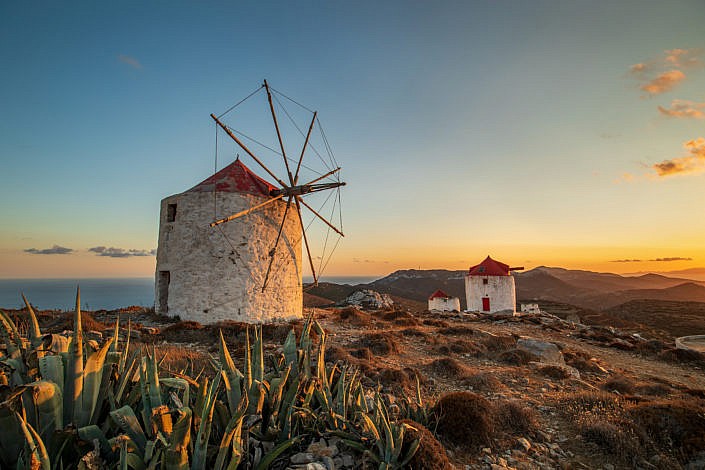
{"points": [[69, 401]]}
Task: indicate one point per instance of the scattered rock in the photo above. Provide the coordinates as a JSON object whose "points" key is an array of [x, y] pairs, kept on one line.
{"points": [[545, 351]]}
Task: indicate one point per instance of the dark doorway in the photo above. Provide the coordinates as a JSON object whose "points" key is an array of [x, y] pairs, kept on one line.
{"points": [[171, 212], [485, 304], [163, 288]]}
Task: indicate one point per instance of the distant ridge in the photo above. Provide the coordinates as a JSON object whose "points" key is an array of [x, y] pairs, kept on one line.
{"points": [[586, 289]]}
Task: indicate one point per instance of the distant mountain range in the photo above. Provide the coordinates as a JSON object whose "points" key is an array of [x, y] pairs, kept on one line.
{"points": [[586, 289]]}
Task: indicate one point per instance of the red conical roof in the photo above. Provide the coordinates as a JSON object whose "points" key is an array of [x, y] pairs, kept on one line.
{"points": [[235, 178], [439, 294], [490, 267]]}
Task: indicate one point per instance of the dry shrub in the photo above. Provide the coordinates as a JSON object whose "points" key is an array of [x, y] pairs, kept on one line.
{"points": [[581, 361], [336, 353], [464, 419], [378, 343], [682, 355], [417, 333], [449, 367], [652, 346], [515, 417], [182, 325], [483, 382], [461, 346], [611, 439], [397, 380], [517, 357], [355, 317], [653, 389], [430, 454], [457, 330], [362, 353], [401, 318], [585, 405], [499, 343], [555, 372], [89, 323], [676, 426], [436, 322], [619, 383], [694, 392]]}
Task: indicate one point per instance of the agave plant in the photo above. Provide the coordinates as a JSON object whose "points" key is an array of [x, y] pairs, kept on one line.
{"points": [[68, 402]]}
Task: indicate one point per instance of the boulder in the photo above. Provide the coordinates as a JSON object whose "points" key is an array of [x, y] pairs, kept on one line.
{"points": [[368, 299], [545, 351]]}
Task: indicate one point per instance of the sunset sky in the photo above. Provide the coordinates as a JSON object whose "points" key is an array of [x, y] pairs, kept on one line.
{"points": [[543, 133]]}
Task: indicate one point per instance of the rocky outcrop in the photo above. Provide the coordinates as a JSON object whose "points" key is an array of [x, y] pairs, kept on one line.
{"points": [[368, 299]]}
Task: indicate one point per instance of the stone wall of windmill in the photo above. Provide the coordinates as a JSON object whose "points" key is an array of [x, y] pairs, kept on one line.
{"points": [[209, 274]]}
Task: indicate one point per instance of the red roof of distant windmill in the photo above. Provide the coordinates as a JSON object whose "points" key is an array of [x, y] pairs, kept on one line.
{"points": [[439, 294], [490, 267], [235, 178]]}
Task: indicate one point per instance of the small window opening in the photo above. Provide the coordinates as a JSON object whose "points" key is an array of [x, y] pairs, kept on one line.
{"points": [[485, 281], [171, 212], [482, 268]]}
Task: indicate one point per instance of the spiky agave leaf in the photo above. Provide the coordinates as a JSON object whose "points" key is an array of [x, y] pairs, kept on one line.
{"points": [[232, 376], [39, 458], [73, 384], [232, 438], [35, 334], [43, 406], [176, 454], [200, 452], [93, 374], [291, 355], [127, 421]]}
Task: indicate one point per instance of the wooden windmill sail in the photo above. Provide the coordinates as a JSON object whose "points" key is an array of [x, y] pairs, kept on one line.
{"points": [[289, 188]]}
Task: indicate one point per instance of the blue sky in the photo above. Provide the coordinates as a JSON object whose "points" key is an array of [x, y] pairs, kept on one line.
{"points": [[464, 128]]}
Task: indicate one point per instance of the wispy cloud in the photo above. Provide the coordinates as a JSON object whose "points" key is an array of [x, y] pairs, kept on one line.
{"points": [[54, 250], [671, 258], [683, 58], [131, 61], [663, 82], [662, 74], [684, 109], [693, 162], [113, 252]]}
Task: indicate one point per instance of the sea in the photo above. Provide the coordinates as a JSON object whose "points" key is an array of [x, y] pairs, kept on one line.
{"points": [[101, 293]]}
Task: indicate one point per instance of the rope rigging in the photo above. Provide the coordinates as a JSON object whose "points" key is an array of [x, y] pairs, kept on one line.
{"points": [[296, 193]]}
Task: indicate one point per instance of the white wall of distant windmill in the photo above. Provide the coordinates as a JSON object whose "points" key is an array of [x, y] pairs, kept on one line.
{"points": [[444, 304]]}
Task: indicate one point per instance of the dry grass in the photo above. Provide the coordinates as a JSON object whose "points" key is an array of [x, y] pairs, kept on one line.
{"points": [[176, 358], [677, 427]]}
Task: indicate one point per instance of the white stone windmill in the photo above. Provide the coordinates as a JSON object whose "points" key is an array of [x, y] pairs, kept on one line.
{"points": [[230, 247]]}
